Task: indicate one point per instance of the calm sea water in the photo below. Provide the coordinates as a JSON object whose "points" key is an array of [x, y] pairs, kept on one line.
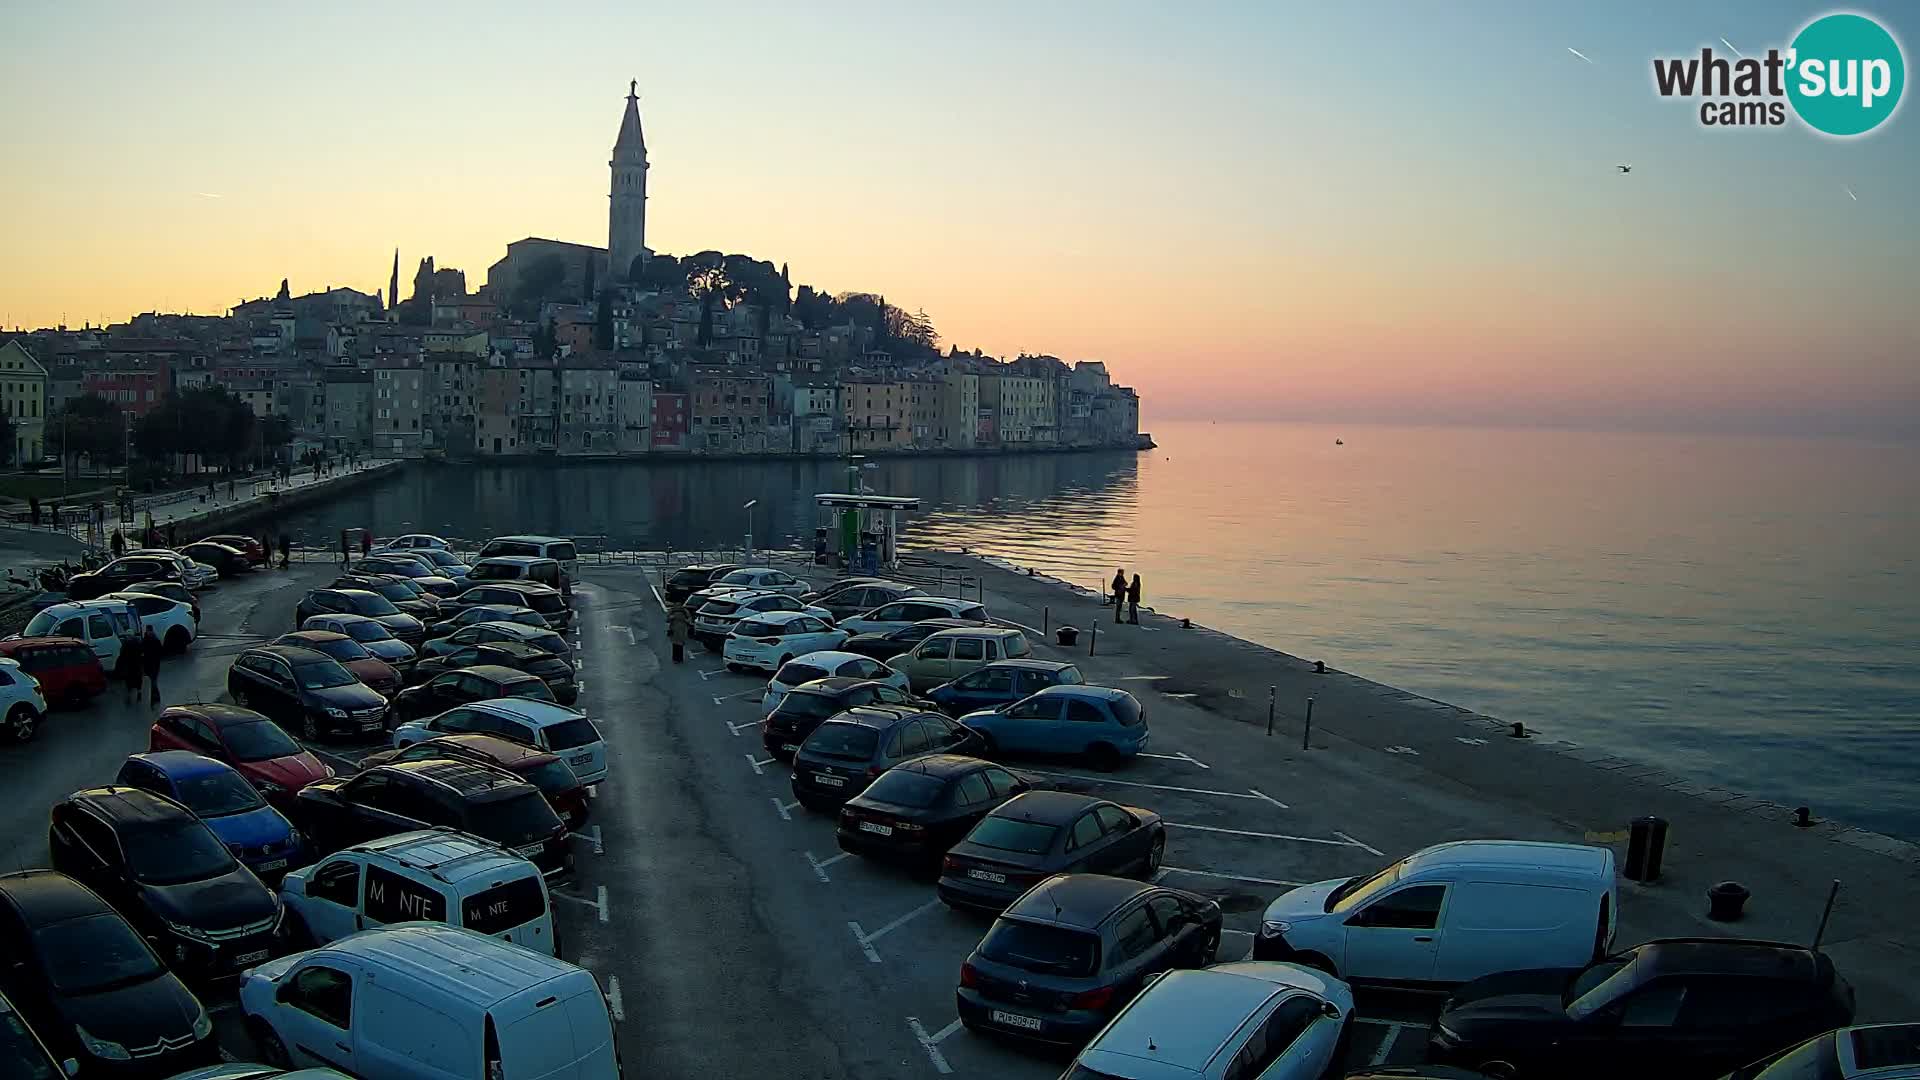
{"points": [[1741, 610]]}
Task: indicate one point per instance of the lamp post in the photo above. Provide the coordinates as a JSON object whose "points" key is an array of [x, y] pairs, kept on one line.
{"points": [[748, 507]]}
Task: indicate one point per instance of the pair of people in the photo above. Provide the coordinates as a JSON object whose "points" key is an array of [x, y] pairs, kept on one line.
{"points": [[1126, 597], [140, 658]]}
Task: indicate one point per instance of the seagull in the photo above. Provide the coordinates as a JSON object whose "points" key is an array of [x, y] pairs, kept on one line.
{"points": [[1624, 168], [1579, 54]]}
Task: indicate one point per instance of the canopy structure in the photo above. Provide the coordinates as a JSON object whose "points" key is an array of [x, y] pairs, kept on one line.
{"points": [[866, 529]]}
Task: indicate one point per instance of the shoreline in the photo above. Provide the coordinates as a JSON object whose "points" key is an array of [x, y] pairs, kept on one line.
{"points": [[692, 457]]}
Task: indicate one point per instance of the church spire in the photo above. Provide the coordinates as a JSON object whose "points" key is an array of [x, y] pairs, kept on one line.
{"points": [[630, 138], [393, 288], [627, 209]]}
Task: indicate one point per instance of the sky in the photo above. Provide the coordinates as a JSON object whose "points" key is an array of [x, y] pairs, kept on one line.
{"points": [[1398, 212]]}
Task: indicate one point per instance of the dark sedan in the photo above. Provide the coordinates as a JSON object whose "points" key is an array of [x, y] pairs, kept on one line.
{"points": [[361, 602], [1042, 833], [453, 688], [119, 574], [548, 602], [1673, 1007], [1001, 683], [1074, 950], [91, 986], [894, 642], [422, 606], [379, 676], [808, 705], [305, 691], [164, 868], [550, 669], [850, 751], [862, 596], [916, 811], [690, 579], [418, 570], [479, 799], [546, 771], [229, 560]]}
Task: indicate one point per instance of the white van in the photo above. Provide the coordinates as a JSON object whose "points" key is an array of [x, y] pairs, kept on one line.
{"points": [[558, 548], [432, 875], [425, 1001], [99, 623], [1451, 913]]}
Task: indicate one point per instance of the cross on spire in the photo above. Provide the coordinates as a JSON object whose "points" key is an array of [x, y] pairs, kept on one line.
{"points": [[633, 89]]}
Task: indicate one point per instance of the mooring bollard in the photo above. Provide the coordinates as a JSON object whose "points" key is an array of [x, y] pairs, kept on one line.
{"points": [[1093, 638], [1270, 692], [1306, 731], [1046, 621]]}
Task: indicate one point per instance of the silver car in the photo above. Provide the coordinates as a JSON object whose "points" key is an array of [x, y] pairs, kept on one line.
{"points": [[1254, 1019]]}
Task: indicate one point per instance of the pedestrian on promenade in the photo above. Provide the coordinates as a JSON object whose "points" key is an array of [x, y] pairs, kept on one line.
{"points": [[173, 531], [346, 544], [366, 542], [679, 625], [286, 551], [129, 669], [210, 495], [150, 663], [118, 543], [229, 488], [1133, 601], [1119, 593], [33, 508]]}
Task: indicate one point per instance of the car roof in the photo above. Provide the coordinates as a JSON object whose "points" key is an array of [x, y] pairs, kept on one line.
{"points": [[499, 673], [447, 854], [179, 764], [878, 716], [1077, 900], [1726, 956], [975, 631], [537, 713], [1026, 664], [358, 592], [943, 765], [1045, 807], [344, 616], [469, 966], [219, 713], [1188, 1018], [513, 560], [528, 538], [40, 642], [777, 618], [1875, 1051], [832, 685], [951, 624], [834, 657], [500, 749], [308, 635], [1517, 854], [292, 654], [131, 805], [69, 606], [510, 648], [516, 627], [43, 897], [519, 586], [466, 778], [708, 568]]}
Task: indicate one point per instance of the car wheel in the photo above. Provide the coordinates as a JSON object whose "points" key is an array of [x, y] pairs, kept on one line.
{"points": [[1103, 757], [1155, 852], [309, 728], [177, 639], [272, 1050], [1498, 1069], [22, 722]]}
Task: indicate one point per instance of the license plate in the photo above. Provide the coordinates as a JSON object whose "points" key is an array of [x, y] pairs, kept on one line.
{"points": [[987, 875], [582, 759], [253, 957], [828, 781], [273, 864], [530, 850], [1014, 1020], [789, 747], [876, 828]]}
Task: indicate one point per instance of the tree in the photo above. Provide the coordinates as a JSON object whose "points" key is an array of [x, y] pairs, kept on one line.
{"points": [[90, 425], [706, 319], [603, 322], [546, 340], [275, 433], [207, 421]]}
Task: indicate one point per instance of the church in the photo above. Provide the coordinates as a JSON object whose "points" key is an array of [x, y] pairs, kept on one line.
{"points": [[626, 223]]}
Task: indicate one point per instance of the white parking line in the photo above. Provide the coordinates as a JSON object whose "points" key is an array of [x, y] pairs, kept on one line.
{"points": [[866, 940], [593, 791], [1368, 848], [602, 894], [593, 837], [1268, 797], [758, 763], [738, 728], [860, 936], [820, 865], [717, 671], [1189, 759], [1138, 784], [751, 692], [1229, 877], [655, 590], [1262, 835], [600, 904], [930, 1044], [1394, 1028], [783, 808], [614, 1004], [628, 630]]}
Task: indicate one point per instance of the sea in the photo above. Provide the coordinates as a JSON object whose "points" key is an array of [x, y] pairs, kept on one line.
{"points": [[1741, 610]]}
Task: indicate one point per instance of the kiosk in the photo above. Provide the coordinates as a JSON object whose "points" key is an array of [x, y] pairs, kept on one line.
{"points": [[864, 535]]}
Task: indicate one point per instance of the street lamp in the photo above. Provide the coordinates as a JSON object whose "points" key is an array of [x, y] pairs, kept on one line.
{"points": [[748, 507]]}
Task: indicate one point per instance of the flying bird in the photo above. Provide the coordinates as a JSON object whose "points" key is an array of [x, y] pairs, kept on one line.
{"points": [[1624, 168], [1579, 54], [1850, 193]]}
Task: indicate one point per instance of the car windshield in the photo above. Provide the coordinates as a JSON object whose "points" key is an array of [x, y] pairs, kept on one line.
{"points": [[1011, 834], [403, 567], [567, 734], [340, 648], [393, 590], [1052, 950], [322, 674], [94, 953], [494, 572], [1126, 708], [367, 631], [515, 821], [1356, 890], [795, 673], [41, 625], [175, 853], [852, 742], [217, 794], [903, 788], [1598, 986], [370, 604], [807, 706], [258, 740], [553, 777], [533, 689], [544, 602], [440, 558], [756, 628], [551, 642]]}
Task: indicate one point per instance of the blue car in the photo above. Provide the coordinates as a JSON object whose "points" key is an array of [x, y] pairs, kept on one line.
{"points": [[256, 834], [1103, 725], [1002, 682]]}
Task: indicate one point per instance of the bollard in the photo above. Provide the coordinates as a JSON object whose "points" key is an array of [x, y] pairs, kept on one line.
{"points": [[1820, 934], [1802, 817], [1270, 692], [1519, 731], [1319, 667], [1725, 900], [1094, 638], [1646, 849], [1046, 621], [1306, 732]]}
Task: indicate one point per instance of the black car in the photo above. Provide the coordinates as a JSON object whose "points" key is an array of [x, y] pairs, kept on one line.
{"points": [[848, 600], [451, 620], [305, 691], [481, 633], [119, 574], [1670, 1007], [1002, 682], [1042, 833], [91, 986], [361, 602], [917, 810], [1074, 950], [413, 569], [808, 705], [166, 871], [548, 602], [688, 580], [422, 606], [22, 1052], [894, 642], [464, 795], [850, 751], [230, 561], [550, 669], [450, 688]]}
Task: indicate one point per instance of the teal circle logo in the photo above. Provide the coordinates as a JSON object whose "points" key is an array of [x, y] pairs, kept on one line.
{"points": [[1844, 74]]}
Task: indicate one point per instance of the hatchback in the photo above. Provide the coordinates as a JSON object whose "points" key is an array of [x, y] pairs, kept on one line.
{"points": [[378, 675], [399, 591], [305, 690], [443, 563], [1103, 725], [250, 546], [949, 654], [68, 672], [255, 746], [543, 769], [227, 560], [256, 833], [170, 875], [688, 580], [172, 590], [480, 613], [371, 635], [845, 754], [826, 664], [171, 621], [193, 574], [889, 644], [764, 579], [407, 565], [1002, 683], [918, 809], [1042, 833], [22, 706], [549, 603], [850, 599], [552, 670], [1868, 1052], [361, 602], [482, 632], [542, 724], [479, 799], [766, 642], [809, 705], [904, 613], [717, 619], [451, 688], [1074, 950], [123, 572]]}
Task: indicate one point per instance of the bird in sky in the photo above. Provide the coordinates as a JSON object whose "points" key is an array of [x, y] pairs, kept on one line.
{"points": [[1624, 168], [1579, 54], [1850, 193]]}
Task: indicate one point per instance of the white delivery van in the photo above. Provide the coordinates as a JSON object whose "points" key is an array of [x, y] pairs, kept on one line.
{"points": [[426, 1001], [1451, 913]]}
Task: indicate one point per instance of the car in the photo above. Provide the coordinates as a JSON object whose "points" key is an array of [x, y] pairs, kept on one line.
{"points": [[548, 602], [901, 614], [699, 600], [1035, 835], [66, 669], [435, 875], [554, 728], [102, 624], [521, 568], [918, 809], [1669, 1007], [374, 673], [417, 568], [862, 595], [461, 687], [255, 746], [1065, 957], [558, 548], [843, 755], [443, 562], [478, 799], [123, 572], [946, 655], [305, 690], [193, 574], [543, 769], [371, 635], [688, 580], [399, 591], [249, 546], [826, 664], [768, 641], [91, 986], [172, 590], [479, 613], [1868, 1052], [1243, 1020], [243, 1070], [226, 560], [886, 646], [417, 541], [255, 832], [22, 1052], [170, 620], [22, 706], [810, 704], [360, 602], [170, 875], [1002, 683], [1098, 723], [550, 669], [482, 633], [765, 579], [715, 621]]}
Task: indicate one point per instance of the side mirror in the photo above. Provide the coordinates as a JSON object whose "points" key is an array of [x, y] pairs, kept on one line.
{"points": [[70, 1066], [1329, 1010]]}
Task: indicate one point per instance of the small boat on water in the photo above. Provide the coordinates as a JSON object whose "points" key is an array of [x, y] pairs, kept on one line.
{"points": [[1339, 442]]}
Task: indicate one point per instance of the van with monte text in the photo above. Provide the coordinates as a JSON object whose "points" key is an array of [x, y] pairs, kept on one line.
{"points": [[1451, 913], [426, 1001]]}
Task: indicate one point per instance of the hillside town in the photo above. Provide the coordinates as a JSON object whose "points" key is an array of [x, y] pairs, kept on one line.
{"points": [[568, 349]]}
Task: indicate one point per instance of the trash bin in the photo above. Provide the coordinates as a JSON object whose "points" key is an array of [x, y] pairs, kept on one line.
{"points": [[1726, 900], [1646, 847], [1066, 636]]}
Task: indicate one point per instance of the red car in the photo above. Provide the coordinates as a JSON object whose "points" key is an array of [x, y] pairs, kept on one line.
{"points": [[247, 545], [68, 671], [376, 674], [255, 746]]}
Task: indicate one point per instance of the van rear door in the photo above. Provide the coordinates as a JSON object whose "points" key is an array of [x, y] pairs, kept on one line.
{"points": [[514, 909], [564, 1036]]}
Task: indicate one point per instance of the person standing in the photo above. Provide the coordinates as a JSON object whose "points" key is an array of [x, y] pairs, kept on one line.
{"points": [[366, 542], [129, 669], [33, 508], [346, 543], [118, 543], [1133, 601], [679, 626], [1119, 593], [150, 664], [286, 551]]}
